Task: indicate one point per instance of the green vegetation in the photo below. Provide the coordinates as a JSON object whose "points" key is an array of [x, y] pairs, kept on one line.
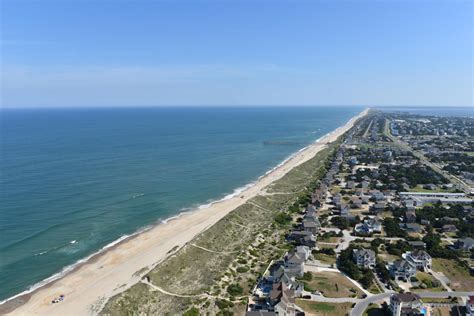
{"points": [[235, 289], [331, 284], [347, 265], [392, 229], [427, 281], [192, 312], [324, 309]]}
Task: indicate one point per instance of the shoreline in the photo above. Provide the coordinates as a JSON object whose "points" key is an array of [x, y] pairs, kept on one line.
{"points": [[112, 269]]}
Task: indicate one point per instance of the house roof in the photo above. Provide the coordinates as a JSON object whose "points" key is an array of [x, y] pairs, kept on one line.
{"points": [[364, 253], [295, 258], [419, 254], [402, 264]]}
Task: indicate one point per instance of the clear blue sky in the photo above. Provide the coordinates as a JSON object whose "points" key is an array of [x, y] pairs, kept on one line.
{"points": [[145, 52]]}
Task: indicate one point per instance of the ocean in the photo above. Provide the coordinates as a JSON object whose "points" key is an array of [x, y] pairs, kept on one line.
{"points": [[74, 181]]}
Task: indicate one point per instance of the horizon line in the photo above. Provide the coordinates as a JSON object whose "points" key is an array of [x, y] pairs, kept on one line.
{"points": [[74, 107]]}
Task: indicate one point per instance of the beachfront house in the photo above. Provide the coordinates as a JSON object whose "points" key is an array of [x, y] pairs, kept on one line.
{"points": [[401, 269], [419, 258], [311, 224]]}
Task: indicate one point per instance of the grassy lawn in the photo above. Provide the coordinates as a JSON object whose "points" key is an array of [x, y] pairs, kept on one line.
{"points": [[325, 258], [327, 246], [374, 289], [323, 309], [429, 280], [330, 239], [419, 188], [332, 284], [459, 276], [387, 257], [439, 300]]}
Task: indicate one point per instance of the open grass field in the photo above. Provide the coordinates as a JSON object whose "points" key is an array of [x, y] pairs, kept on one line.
{"points": [[325, 258], [460, 278], [333, 284], [324, 309]]}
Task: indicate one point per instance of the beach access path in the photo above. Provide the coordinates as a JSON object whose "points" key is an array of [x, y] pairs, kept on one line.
{"points": [[88, 287]]}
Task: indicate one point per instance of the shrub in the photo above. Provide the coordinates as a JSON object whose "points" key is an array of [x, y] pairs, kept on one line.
{"points": [[191, 312], [235, 289], [242, 269]]}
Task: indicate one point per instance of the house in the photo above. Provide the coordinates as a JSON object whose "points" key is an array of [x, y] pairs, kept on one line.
{"points": [[410, 216], [410, 227], [449, 228], [365, 199], [419, 258], [377, 195], [379, 206], [287, 306], [303, 238], [464, 244], [311, 225], [350, 185], [450, 219], [275, 293], [345, 210], [304, 251], [311, 210], [364, 258], [470, 306], [406, 304], [417, 244], [364, 184], [402, 269], [294, 263], [425, 222], [369, 226], [336, 199], [356, 202]]}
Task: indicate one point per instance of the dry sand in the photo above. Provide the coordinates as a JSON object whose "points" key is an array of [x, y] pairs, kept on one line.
{"points": [[112, 271]]}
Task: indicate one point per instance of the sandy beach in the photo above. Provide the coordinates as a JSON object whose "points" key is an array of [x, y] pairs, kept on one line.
{"points": [[111, 272]]}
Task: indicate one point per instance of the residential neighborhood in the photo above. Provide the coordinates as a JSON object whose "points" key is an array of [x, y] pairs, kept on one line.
{"points": [[388, 221]]}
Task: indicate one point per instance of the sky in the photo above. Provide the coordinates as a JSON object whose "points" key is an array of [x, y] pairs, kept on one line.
{"points": [[72, 53]]}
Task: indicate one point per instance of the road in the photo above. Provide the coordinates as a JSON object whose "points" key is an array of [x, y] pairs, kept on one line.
{"points": [[361, 306]]}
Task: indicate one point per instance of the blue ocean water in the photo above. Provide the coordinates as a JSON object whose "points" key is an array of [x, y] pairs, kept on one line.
{"points": [[73, 181]]}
